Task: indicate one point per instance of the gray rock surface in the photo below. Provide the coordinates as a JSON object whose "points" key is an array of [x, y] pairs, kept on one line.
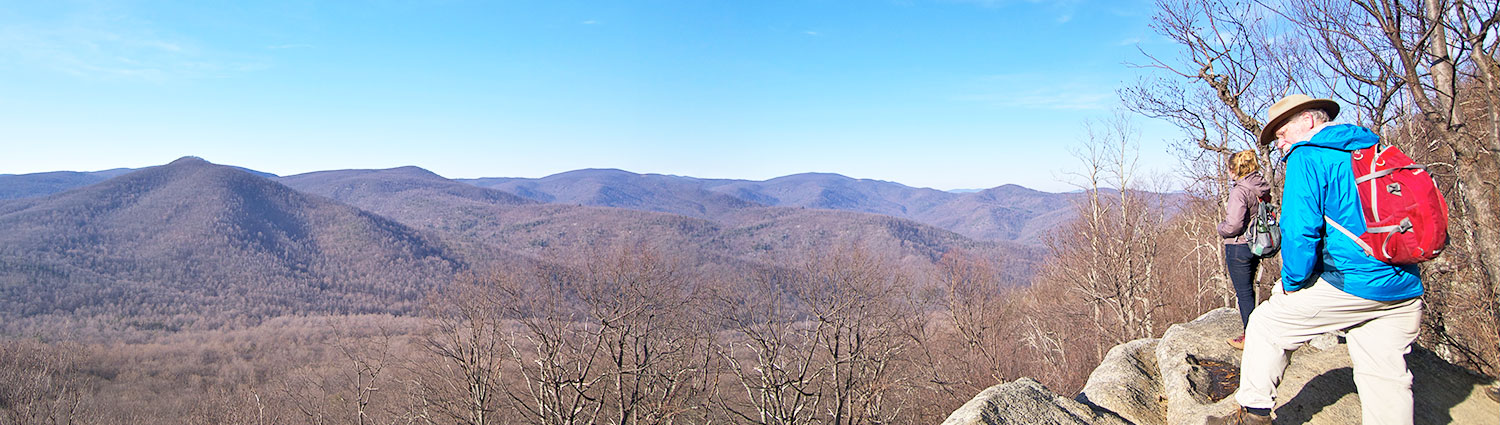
{"points": [[1128, 383], [1182, 351], [1025, 401], [1318, 386], [1181, 379]]}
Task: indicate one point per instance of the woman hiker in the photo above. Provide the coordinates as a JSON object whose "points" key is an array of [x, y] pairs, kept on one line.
{"points": [[1244, 199]]}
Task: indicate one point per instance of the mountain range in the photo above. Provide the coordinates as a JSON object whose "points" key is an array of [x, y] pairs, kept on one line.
{"points": [[195, 244], [1005, 213]]}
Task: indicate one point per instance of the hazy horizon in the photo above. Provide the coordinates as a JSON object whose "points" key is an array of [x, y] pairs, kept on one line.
{"points": [[932, 93], [956, 191]]}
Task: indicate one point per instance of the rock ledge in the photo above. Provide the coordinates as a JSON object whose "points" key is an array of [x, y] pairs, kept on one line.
{"points": [[1178, 379]]}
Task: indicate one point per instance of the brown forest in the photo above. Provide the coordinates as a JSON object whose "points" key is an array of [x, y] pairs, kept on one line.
{"points": [[632, 332]]}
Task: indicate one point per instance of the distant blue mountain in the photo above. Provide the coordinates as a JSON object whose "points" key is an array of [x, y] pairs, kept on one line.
{"points": [[16, 186], [220, 245], [13, 186], [1005, 213]]}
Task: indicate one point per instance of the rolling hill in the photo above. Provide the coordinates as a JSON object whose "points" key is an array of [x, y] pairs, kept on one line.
{"points": [[192, 244], [1006, 213], [742, 236], [13, 186], [193, 241], [623, 189]]}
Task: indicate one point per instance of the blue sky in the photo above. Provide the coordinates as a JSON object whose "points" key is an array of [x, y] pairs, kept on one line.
{"points": [[928, 93]]}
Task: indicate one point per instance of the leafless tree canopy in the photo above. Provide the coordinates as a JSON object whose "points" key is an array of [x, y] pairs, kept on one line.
{"points": [[1420, 73]]}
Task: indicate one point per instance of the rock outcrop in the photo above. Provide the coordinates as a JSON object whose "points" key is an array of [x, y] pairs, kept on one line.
{"points": [[1190, 373], [1026, 401], [1127, 383]]}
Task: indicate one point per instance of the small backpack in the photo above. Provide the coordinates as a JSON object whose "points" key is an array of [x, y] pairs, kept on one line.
{"points": [[1406, 217], [1265, 233]]}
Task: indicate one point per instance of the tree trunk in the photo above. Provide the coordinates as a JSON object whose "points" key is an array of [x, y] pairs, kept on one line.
{"points": [[1479, 220]]}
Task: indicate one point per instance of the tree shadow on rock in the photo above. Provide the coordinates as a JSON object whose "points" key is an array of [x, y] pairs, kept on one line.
{"points": [[1437, 386], [1318, 394]]}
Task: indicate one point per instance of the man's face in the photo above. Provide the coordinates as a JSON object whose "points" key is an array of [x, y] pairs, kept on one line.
{"points": [[1292, 131]]}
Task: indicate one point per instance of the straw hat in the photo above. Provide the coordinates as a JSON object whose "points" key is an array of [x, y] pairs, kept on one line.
{"points": [[1286, 108]]}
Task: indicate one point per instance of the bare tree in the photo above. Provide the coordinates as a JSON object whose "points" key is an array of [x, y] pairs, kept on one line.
{"points": [[770, 352], [657, 350], [364, 372], [1108, 255], [980, 310], [556, 351], [863, 325], [467, 336], [1230, 66], [614, 338], [39, 383], [1109, 276]]}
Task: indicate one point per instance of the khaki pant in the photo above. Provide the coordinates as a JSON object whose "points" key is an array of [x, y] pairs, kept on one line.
{"points": [[1379, 335]]}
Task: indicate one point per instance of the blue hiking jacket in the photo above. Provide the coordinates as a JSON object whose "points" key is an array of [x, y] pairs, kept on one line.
{"points": [[1320, 181]]}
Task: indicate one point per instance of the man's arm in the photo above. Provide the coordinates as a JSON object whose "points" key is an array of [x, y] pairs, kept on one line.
{"points": [[1301, 220]]}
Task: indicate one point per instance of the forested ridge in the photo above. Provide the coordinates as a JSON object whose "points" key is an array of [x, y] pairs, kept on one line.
{"points": [[204, 284], [196, 244]]}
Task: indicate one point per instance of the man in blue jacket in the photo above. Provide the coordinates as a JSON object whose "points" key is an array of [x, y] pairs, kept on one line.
{"points": [[1328, 283]]}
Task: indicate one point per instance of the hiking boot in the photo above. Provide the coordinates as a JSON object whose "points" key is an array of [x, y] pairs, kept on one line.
{"points": [[1238, 342], [1239, 417]]}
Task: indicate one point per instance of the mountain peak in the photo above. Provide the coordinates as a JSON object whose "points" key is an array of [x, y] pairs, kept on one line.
{"points": [[1008, 191], [413, 171], [189, 160], [811, 177], [594, 173]]}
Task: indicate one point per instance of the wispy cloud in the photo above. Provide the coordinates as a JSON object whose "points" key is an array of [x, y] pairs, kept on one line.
{"points": [[110, 46], [590, 22], [1065, 9], [1037, 91], [812, 33], [1065, 100], [290, 46]]}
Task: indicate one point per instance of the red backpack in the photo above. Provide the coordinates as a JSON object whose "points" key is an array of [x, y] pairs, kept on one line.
{"points": [[1406, 218]]}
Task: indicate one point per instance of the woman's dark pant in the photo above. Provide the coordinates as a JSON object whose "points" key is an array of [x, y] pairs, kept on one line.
{"points": [[1242, 265]]}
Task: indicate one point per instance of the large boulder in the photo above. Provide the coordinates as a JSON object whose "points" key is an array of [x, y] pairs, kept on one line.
{"points": [[1194, 358], [1025, 401], [1196, 374], [1128, 383], [1191, 373]]}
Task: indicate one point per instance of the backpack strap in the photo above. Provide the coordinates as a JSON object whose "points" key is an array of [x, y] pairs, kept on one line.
{"points": [[1387, 172], [1404, 226], [1346, 232], [1265, 211], [1391, 230]]}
